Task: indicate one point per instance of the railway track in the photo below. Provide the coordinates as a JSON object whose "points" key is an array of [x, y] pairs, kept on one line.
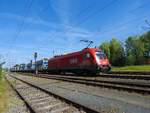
{"points": [[125, 76], [131, 72], [130, 86], [93, 98], [39, 100]]}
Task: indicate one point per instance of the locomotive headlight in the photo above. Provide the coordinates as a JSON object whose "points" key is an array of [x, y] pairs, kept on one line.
{"points": [[98, 60]]}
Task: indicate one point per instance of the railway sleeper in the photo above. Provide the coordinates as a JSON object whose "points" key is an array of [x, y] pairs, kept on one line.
{"points": [[41, 102]]}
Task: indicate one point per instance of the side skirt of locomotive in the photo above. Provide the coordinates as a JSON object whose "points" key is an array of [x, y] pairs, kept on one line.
{"points": [[81, 71], [86, 70]]}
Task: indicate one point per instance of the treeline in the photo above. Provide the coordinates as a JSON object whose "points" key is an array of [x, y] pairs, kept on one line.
{"points": [[0, 73], [134, 51]]}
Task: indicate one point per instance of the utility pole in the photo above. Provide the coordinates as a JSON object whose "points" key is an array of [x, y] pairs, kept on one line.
{"points": [[35, 57]]}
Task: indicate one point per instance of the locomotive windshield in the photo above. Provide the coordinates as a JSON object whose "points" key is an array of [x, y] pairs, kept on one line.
{"points": [[100, 55]]}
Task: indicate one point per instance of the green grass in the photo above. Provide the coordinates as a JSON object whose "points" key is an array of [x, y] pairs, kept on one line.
{"points": [[132, 68], [3, 93]]}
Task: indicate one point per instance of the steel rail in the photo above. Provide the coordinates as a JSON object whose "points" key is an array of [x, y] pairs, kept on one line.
{"points": [[85, 108], [138, 76], [130, 87], [125, 76], [131, 72], [21, 97], [122, 75], [138, 88]]}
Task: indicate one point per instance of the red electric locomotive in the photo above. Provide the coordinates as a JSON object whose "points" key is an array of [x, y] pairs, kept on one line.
{"points": [[89, 60]]}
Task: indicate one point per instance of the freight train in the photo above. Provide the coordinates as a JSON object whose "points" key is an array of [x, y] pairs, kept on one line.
{"points": [[41, 65], [88, 60]]}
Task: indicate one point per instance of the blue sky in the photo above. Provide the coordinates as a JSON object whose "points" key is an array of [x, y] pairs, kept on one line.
{"points": [[45, 26]]}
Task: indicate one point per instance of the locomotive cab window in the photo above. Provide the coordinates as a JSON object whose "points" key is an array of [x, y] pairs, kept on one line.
{"points": [[100, 55]]}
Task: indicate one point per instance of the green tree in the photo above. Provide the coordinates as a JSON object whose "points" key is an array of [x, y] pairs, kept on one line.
{"points": [[105, 47], [117, 53], [135, 50], [130, 56], [145, 38], [0, 70]]}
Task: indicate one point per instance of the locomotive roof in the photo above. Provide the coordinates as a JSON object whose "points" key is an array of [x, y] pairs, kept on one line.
{"points": [[95, 49], [77, 52]]}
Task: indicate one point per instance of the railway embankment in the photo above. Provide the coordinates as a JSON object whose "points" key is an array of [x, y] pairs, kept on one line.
{"points": [[10, 102], [3, 92]]}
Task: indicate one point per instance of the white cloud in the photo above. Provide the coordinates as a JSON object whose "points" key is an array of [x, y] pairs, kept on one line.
{"points": [[44, 42], [61, 8], [33, 20]]}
